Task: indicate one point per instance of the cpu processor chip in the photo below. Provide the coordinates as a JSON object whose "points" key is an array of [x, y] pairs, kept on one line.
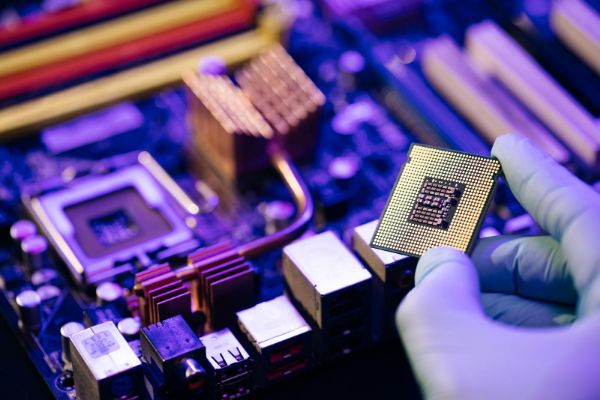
{"points": [[440, 199]]}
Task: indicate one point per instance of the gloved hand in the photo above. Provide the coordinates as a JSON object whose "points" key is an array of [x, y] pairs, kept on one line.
{"points": [[458, 350]]}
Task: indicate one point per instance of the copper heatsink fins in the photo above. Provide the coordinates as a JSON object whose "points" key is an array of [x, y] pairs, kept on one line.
{"points": [[228, 132], [226, 108], [162, 295], [225, 283], [280, 90], [275, 102]]}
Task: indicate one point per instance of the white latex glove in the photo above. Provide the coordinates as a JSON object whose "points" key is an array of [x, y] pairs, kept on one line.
{"points": [[455, 347]]}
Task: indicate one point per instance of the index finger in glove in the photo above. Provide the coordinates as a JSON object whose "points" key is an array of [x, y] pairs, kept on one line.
{"points": [[564, 206]]}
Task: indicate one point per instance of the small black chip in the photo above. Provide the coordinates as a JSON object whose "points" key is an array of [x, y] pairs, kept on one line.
{"points": [[436, 202]]}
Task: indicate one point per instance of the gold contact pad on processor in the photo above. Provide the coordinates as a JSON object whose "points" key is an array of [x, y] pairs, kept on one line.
{"points": [[439, 199]]}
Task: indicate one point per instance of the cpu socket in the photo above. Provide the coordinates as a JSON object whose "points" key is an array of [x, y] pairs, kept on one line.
{"points": [[98, 223]]}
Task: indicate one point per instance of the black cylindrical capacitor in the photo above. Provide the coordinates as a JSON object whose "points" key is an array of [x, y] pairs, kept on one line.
{"points": [[66, 331], [351, 64], [44, 276], [29, 309], [35, 253], [130, 328], [20, 231], [48, 292], [108, 292]]}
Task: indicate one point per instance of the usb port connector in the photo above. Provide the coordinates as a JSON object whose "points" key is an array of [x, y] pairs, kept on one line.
{"points": [[287, 369], [346, 302], [286, 351], [347, 326]]}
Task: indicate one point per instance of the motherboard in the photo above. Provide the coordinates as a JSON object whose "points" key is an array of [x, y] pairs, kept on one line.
{"points": [[190, 190]]}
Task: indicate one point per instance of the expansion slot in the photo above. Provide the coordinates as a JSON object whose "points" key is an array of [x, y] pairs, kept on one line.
{"points": [[47, 77], [576, 24], [69, 18], [121, 30], [497, 54], [133, 83]]}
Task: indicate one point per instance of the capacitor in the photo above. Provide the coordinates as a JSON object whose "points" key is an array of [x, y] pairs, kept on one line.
{"points": [[343, 169], [344, 124], [349, 119], [278, 214], [34, 249], [328, 71], [22, 229], [47, 292], [351, 64], [108, 292], [29, 310], [129, 327], [44, 276], [66, 331]]}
